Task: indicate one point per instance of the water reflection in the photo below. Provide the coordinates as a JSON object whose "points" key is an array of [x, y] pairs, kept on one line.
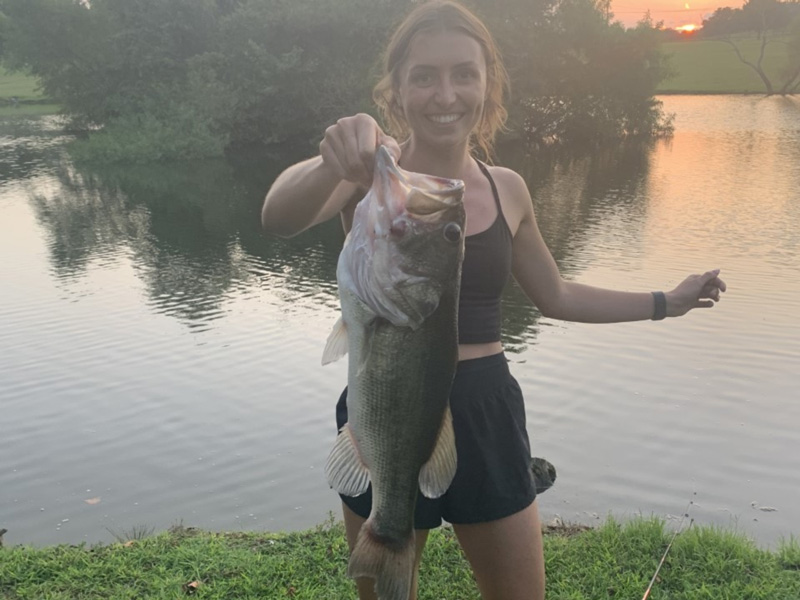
{"points": [[192, 232], [573, 192], [28, 145]]}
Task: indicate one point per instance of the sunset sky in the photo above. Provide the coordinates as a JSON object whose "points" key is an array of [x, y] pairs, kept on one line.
{"points": [[674, 13]]}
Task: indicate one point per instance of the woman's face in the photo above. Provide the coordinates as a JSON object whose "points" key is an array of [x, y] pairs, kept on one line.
{"points": [[442, 86]]}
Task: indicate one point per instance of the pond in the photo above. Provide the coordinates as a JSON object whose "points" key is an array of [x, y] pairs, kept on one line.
{"points": [[160, 355]]}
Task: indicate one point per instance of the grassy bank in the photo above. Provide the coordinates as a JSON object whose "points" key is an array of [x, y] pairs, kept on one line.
{"points": [[711, 67], [19, 96], [611, 561]]}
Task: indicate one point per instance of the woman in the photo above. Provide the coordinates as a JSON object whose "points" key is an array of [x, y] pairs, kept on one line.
{"points": [[442, 95]]}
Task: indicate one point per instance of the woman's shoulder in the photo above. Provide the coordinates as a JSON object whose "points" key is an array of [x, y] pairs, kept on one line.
{"points": [[515, 200], [510, 184], [504, 173]]}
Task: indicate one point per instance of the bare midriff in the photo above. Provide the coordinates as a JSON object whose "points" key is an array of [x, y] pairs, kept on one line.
{"points": [[470, 351]]}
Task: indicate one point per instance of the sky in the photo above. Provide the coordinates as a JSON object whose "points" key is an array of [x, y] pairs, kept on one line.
{"points": [[674, 13]]}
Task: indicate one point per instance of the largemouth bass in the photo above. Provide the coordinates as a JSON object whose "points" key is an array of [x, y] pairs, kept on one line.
{"points": [[399, 275]]}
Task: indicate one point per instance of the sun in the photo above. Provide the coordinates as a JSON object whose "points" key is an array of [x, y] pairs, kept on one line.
{"points": [[691, 28]]}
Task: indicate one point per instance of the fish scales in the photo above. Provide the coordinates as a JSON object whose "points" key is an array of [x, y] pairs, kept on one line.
{"points": [[397, 453], [399, 275]]}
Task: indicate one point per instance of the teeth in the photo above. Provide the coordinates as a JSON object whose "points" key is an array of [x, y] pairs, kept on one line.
{"points": [[444, 118]]}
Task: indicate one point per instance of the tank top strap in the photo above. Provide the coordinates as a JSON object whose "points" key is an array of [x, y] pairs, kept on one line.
{"points": [[501, 218], [485, 171]]}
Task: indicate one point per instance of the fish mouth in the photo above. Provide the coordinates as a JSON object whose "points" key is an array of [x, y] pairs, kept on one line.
{"points": [[418, 194], [386, 247]]}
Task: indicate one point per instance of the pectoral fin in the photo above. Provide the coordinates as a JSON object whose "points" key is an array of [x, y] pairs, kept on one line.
{"points": [[336, 346], [437, 474], [346, 472]]}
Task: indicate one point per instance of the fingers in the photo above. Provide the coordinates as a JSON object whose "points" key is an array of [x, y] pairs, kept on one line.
{"points": [[711, 278], [342, 149], [391, 145], [696, 291], [710, 290], [712, 285], [708, 277], [349, 147]]}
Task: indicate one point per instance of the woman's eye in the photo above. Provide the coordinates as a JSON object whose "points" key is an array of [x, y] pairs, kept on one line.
{"points": [[422, 79], [466, 75]]}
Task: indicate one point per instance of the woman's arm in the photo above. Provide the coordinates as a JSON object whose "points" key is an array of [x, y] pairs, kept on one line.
{"points": [[319, 188], [305, 194], [537, 274]]}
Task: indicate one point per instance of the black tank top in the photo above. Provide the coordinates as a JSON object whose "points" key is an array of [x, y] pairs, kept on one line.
{"points": [[484, 274]]}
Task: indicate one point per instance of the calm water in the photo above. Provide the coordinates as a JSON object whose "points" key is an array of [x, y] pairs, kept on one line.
{"points": [[160, 356]]}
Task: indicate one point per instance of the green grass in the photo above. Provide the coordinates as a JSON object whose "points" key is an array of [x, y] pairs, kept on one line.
{"points": [[29, 100], [712, 67], [28, 110], [18, 85], [612, 561]]}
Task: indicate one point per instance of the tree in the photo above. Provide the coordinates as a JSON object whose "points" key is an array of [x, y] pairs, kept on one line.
{"points": [[3, 33], [283, 71], [159, 79], [768, 19], [724, 21], [111, 58], [791, 73], [599, 81]]}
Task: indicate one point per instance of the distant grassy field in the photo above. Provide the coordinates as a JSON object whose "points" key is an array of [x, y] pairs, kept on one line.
{"points": [[18, 85], [29, 101], [711, 67], [28, 110]]}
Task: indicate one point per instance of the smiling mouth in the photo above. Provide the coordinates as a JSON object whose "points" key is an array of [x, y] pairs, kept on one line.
{"points": [[444, 119]]}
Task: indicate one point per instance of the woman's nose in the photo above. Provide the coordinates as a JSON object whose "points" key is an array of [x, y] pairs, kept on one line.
{"points": [[445, 93]]}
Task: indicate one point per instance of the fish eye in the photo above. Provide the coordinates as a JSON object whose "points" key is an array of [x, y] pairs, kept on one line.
{"points": [[452, 232]]}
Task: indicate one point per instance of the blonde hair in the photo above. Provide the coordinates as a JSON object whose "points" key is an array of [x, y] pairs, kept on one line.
{"points": [[437, 16]]}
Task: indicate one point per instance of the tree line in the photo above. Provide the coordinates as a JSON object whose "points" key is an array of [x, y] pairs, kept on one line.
{"points": [[175, 79], [772, 22]]}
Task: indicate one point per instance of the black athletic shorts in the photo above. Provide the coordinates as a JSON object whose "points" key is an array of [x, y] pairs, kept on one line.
{"points": [[493, 477]]}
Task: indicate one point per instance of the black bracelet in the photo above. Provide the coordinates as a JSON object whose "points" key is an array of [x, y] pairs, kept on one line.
{"points": [[660, 306]]}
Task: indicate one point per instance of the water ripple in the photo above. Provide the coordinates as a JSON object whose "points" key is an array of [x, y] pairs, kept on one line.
{"points": [[161, 354]]}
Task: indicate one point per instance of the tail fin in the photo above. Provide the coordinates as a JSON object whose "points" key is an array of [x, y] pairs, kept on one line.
{"points": [[390, 563]]}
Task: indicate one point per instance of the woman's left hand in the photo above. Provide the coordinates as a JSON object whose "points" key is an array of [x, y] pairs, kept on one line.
{"points": [[696, 291]]}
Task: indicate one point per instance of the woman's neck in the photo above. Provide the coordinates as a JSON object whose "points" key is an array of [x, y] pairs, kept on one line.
{"points": [[451, 162]]}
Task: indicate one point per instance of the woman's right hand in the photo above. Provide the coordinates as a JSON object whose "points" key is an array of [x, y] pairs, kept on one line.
{"points": [[349, 146]]}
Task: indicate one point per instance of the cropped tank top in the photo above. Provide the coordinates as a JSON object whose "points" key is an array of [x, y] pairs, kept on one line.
{"points": [[484, 274]]}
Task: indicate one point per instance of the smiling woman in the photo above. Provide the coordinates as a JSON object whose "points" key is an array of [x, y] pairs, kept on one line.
{"points": [[481, 65], [442, 99], [441, 95]]}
